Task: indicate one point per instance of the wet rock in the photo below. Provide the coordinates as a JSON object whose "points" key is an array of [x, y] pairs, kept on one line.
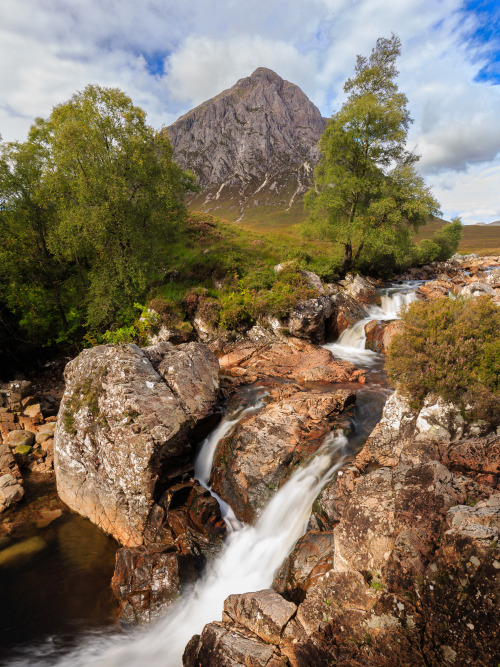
{"points": [[20, 438], [379, 335], [11, 492], [477, 289], [262, 451], [145, 581], [345, 311], [230, 647], [309, 560], [125, 416], [264, 613]]}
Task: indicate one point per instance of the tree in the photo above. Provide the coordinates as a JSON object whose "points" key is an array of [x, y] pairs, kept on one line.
{"points": [[35, 284], [120, 195], [366, 187], [94, 198]]}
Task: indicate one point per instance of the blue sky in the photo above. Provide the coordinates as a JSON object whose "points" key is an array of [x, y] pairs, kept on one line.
{"points": [[169, 56]]}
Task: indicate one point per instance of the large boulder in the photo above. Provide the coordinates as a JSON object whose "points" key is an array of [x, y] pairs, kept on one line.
{"points": [[360, 288], [124, 419], [292, 359], [263, 449]]}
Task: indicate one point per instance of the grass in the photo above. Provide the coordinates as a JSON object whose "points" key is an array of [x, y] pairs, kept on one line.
{"points": [[479, 239], [282, 225]]}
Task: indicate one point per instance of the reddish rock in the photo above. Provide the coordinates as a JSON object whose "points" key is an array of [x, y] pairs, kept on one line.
{"points": [[263, 449], [293, 359], [145, 581], [379, 335], [310, 559]]}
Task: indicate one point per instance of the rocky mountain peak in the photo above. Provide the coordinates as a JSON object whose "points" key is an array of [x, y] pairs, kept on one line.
{"points": [[251, 145]]}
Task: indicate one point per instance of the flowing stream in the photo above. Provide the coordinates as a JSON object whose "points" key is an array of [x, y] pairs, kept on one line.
{"points": [[351, 343], [251, 554]]}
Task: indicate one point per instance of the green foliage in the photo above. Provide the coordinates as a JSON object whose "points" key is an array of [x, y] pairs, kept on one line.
{"points": [[450, 347], [89, 206], [262, 293], [442, 245], [366, 185]]}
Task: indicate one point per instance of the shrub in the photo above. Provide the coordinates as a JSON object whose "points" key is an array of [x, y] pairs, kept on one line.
{"points": [[450, 347]]}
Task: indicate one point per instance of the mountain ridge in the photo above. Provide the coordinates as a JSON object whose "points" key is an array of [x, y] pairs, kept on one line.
{"points": [[252, 146]]}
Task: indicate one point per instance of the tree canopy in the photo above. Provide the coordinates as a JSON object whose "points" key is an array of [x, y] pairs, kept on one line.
{"points": [[366, 189], [89, 204]]}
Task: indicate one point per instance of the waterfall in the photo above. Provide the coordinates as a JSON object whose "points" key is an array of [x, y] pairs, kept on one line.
{"points": [[247, 562], [204, 460], [351, 343]]}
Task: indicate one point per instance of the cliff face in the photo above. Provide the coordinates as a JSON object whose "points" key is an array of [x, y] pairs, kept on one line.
{"points": [[252, 145]]}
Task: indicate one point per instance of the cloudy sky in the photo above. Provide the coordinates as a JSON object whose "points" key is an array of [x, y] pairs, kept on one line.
{"points": [[170, 55]]}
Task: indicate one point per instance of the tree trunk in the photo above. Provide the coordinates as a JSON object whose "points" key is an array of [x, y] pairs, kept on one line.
{"points": [[347, 261]]}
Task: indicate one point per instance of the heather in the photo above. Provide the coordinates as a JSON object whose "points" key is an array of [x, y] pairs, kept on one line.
{"points": [[450, 347]]}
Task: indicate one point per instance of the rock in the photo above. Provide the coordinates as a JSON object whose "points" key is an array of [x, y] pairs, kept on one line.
{"points": [[308, 319], [125, 416], [493, 279], [20, 438], [294, 359], [360, 288], [440, 419], [261, 452], [230, 647], [379, 335], [345, 312], [264, 613], [145, 581], [310, 559], [462, 585], [477, 289], [8, 463], [11, 492], [435, 289]]}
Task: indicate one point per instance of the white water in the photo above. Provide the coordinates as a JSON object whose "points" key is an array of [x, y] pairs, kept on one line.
{"points": [[351, 343], [247, 562], [205, 458]]}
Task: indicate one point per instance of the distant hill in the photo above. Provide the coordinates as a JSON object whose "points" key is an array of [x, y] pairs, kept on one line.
{"points": [[253, 148], [489, 224]]}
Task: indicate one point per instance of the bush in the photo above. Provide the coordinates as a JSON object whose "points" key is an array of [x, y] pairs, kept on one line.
{"points": [[263, 293], [450, 347]]}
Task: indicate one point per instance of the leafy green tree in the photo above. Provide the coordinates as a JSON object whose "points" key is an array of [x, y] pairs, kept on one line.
{"points": [[366, 187], [120, 196], [89, 205], [36, 286]]}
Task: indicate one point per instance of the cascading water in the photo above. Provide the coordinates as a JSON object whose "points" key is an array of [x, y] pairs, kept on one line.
{"points": [[351, 344], [251, 554], [205, 458], [247, 562]]}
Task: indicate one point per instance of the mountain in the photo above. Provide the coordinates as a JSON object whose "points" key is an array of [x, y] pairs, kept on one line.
{"points": [[253, 147]]}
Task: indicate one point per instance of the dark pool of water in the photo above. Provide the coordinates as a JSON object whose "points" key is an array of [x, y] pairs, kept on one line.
{"points": [[54, 581]]}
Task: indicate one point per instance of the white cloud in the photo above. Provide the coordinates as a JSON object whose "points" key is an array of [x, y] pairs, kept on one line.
{"points": [[203, 66], [471, 194], [49, 49]]}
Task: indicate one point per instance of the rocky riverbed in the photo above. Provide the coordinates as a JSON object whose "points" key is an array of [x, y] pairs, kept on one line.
{"points": [[400, 557]]}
